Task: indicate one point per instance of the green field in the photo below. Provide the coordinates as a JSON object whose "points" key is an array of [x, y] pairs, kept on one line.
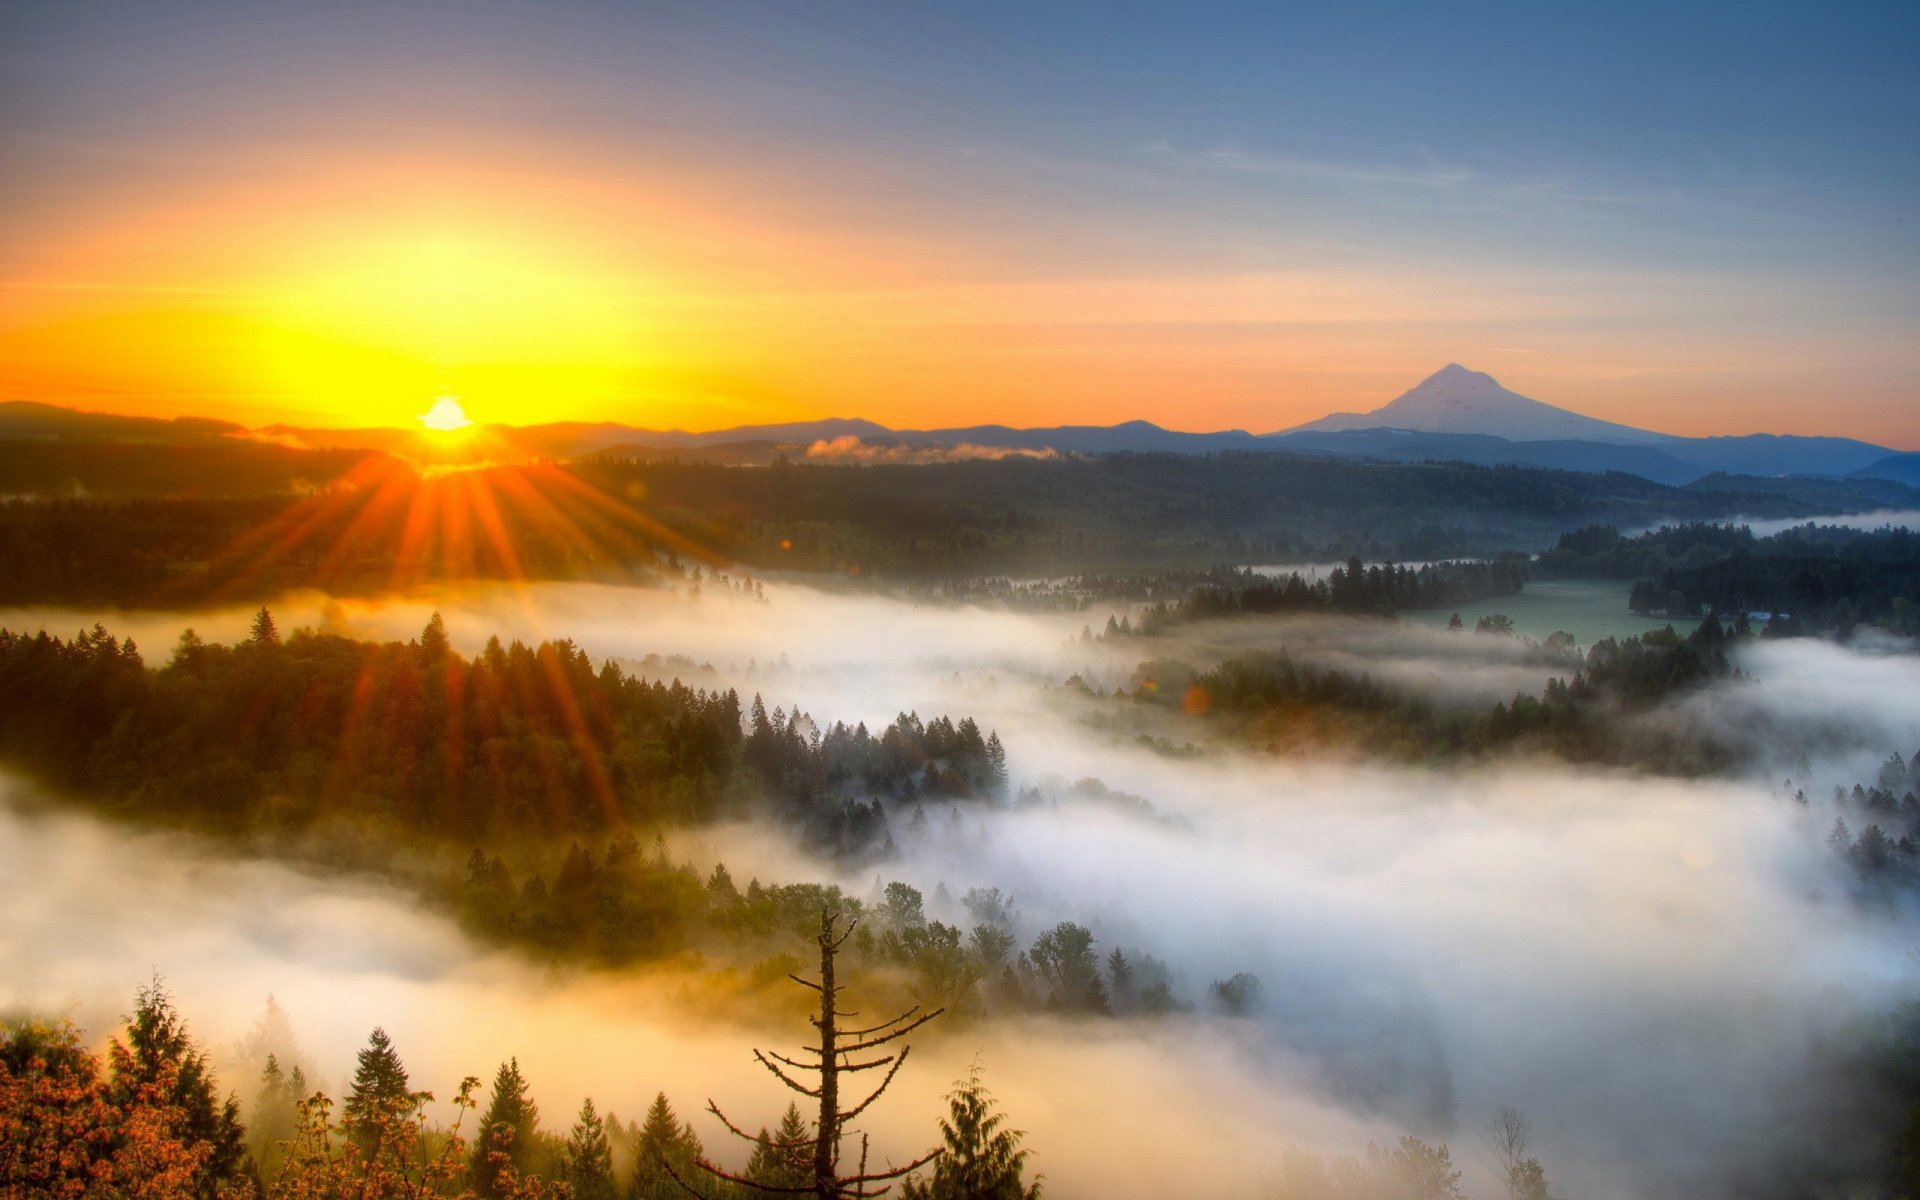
{"points": [[1588, 609]]}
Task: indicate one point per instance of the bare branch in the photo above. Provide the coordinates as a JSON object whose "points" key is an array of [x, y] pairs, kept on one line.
{"points": [[898, 1171], [834, 1053], [742, 1180], [877, 1028], [862, 1106], [684, 1185], [865, 1066], [735, 1130], [897, 1034], [782, 1076], [781, 1058]]}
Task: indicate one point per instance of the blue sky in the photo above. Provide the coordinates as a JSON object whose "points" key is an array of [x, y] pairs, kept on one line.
{"points": [[1695, 217]]}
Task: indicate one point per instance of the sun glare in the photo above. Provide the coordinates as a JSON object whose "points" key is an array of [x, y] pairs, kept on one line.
{"points": [[445, 416]]}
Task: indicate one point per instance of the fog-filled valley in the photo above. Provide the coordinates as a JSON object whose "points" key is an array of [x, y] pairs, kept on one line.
{"points": [[938, 601], [1663, 962]]}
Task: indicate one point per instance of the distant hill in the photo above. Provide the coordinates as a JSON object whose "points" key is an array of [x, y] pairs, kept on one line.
{"points": [[1900, 468], [1563, 454], [1454, 415], [46, 422]]}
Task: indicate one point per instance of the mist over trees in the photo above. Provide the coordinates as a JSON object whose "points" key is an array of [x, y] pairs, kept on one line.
{"points": [[614, 519], [1813, 579], [594, 820], [314, 728]]}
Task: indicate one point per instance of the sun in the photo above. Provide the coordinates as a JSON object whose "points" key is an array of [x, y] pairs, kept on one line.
{"points": [[446, 416]]}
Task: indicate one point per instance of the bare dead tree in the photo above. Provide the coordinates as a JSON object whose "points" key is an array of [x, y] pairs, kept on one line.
{"points": [[1506, 1138], [831, 1059]]}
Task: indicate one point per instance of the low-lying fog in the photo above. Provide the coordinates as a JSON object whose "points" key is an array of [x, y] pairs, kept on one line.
{"points": [[1642, 965], [1904, 518]]}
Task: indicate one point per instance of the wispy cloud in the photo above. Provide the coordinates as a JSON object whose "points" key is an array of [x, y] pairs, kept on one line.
{"points": [[1431, 175]]}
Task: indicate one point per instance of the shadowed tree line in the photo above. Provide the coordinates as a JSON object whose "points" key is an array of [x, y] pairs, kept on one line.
{"points": [[371, 524], [149, 1123], [150, 1119], [285, 734], [362, 755], [1281, 703], [1351, 589], [1814, 579]]}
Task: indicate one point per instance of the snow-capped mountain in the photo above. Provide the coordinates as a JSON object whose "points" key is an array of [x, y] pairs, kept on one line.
{"points": [[1456, 400]]}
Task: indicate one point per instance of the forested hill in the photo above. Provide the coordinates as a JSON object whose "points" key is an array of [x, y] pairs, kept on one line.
{"points": [[1810, 579], [380, 526], [410, 738], [1352, 589]]}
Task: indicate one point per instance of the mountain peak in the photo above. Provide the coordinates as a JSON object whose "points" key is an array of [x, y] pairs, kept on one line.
{"points": [[1456, 399]]}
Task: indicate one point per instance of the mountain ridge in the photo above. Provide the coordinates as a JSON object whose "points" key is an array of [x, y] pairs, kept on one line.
{"points": [[1455, 414]]}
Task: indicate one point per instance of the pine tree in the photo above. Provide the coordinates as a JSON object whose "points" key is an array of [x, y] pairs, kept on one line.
{"points": [[664, 1142], [434, 646], [1120, 979], [159, 1054], [379, 1088], [505, 1138], [273, 1116], [272, 1034], [1839, 838], [780, 1158], [983, 1161], [264, 632], [589, 1157], [996, 762]]}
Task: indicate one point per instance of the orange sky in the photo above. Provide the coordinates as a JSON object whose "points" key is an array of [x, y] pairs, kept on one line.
{"points": [[344, 269]]}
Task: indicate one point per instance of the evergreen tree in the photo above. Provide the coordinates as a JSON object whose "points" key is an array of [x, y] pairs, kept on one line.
{"points": [[1120, 979], [434, 646], [505, 1138], [272, 1035], [983, 1160], [663, 1140], [379, 1089], [274, 1116], [589, 1157], [779, 1158], [996, 762], [264, 632], [161, 1061]]}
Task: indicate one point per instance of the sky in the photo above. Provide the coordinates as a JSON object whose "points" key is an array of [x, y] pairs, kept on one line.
{"points": [[1699, 219]]}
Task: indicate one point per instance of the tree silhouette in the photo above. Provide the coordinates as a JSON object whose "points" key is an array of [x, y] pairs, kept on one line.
{"points": [[505, 1136], [589, 1157], [264, 631], [379, 1088], [666, 1147], [780, 1158], [832, 1058]]}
